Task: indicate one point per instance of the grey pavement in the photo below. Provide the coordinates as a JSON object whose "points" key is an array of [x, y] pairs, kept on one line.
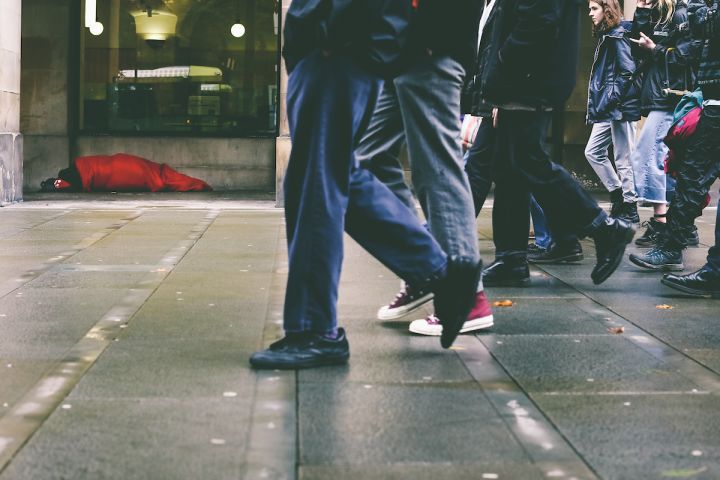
{"points": [[126, 322]]}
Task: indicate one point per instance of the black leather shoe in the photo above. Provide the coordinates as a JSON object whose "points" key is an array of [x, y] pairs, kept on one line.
{"points": [[507, 272], [611, 239], [558, 253], [703, 283], [455, 297], [304, 350]]}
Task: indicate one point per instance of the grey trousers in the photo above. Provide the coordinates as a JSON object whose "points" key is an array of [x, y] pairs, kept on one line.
{"points": [[622, 136], [422, 108]]}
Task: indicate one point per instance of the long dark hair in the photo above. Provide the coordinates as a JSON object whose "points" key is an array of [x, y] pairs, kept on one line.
{"points": [[611, 16]]}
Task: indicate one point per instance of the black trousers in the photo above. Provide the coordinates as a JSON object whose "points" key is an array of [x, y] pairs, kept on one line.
{"points": [[521, 165], [696, 175]]}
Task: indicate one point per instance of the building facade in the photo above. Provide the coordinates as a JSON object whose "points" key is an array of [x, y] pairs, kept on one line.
{"points": [[196, 84]]}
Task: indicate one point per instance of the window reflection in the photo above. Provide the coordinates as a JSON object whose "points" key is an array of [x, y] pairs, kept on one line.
{"points": [[173, 66]]}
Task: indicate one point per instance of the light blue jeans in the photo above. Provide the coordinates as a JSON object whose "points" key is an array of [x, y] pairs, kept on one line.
{"points": [[622, 136], [648, 160], [422, 108]]}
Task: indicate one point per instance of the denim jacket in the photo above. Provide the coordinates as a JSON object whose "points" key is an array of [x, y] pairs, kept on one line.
{"points": [[613, 91]]}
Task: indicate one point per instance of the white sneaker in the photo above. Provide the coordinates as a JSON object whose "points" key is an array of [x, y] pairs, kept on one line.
{"points": [[431, 325]]}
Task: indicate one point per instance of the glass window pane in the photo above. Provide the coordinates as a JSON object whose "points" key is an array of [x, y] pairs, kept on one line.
{"points": [[180, 66]]}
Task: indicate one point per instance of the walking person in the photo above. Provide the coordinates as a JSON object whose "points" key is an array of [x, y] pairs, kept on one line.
{"points": [[700, 168], [421, 107], [666, 54], [336, 52], [526, 67], [613, 108]]}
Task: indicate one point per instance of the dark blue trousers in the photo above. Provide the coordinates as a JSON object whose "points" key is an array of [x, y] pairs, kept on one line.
{"points": [[330, 101]]}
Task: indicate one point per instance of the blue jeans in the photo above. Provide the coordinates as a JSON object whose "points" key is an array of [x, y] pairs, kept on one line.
{"points": [[330, 101], [648, 160], [543, 238], [422, 108]]}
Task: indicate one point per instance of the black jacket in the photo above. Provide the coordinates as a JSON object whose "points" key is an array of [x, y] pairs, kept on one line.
{"points": [[446, 27], [705, 25], [613, 91], [672, 63], [528, 55], [372, 32]]}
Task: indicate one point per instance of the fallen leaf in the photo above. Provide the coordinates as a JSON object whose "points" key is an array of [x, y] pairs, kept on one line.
{"points": [[503, 303], [664, 307], [616, 330]]}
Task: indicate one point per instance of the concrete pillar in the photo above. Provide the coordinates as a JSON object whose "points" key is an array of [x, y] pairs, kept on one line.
{"points": [[283, 144], [10, 137]]}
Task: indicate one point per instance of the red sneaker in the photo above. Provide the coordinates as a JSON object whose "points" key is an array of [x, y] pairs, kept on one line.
{"points": [[480, 318], [407, 301]]}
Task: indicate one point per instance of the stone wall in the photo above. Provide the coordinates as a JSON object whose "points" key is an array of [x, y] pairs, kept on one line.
{"points": [[11, 141]]}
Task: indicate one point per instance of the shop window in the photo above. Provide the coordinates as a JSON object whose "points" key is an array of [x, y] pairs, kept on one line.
{"points": [[196, 67]]}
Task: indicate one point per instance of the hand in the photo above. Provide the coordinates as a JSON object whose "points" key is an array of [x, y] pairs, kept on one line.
{"points": [[495, 117], [644, 42]]}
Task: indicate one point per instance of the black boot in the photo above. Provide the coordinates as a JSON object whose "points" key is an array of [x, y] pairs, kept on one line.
{"points": [[703, 283], [654, 227], [558, 252], [691, 236], [611, 239], [616, 198], [507, 272], [629, 212]]}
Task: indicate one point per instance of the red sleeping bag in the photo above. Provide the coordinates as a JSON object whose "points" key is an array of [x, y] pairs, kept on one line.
{"points": [[124, 172]]}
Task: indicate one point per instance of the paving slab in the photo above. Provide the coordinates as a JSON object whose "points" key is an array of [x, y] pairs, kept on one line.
{"points": [[130, 319]]}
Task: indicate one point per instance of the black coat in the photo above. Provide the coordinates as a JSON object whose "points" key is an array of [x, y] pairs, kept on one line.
{"points": [[446, 27], [528, 55], [673, 61], [613, 92], [372, 32], [705, 25]]}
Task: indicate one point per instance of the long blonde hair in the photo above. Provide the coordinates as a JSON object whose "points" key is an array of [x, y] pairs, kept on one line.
{"points": [[666, 9]]}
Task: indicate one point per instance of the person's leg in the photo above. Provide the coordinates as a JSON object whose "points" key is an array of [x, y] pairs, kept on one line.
{"points": [[543, 238], [699, 170], [429, 97], [479, 164], [596, 153], [379, 149], [568, 208], [623, 137], [705, 281]]}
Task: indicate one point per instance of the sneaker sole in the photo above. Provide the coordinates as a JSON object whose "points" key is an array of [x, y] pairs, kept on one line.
{"points": [[567, 259], [310, 363], [675, 267], [469, 326], [690, 291], [395, 313], [598, 279]]}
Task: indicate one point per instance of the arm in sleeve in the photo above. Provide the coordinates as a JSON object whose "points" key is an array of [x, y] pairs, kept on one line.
{"points": [[537, 25]]}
